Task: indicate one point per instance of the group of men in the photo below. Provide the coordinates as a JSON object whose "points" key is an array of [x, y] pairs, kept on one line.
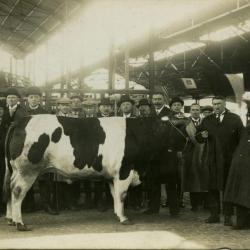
{"points": [[201, 168]]}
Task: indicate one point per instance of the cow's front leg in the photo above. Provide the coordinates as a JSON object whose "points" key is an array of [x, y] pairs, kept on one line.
{"points": [[120, 192], [20, 186]]}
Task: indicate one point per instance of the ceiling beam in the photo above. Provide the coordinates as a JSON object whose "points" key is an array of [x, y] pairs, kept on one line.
{"points": [[11, 10], [24, 19]]}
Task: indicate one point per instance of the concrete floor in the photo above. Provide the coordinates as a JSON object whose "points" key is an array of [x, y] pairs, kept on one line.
{"points": [[93, 229]]}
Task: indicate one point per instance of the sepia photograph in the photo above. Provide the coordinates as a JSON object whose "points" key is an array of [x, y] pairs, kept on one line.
{"points": [[125, 124]]}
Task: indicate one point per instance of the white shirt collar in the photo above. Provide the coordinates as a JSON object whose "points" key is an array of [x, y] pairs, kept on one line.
{"points": [[127, 115], [13, 107], [34, 108]]}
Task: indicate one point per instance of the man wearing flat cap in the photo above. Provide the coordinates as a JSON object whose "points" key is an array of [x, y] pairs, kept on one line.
{"points": [[126, 105], [76, 106], [12, 112], [64, 107]]}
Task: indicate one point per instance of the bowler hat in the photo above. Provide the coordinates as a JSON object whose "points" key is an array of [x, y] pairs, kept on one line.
{"points": [[33, 91], [176, 99], [12, 91], [144, 101], [105, 101], [125, 98]]}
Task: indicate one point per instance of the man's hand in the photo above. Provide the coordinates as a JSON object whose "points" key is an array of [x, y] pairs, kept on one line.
{"points": [[204, 134]]}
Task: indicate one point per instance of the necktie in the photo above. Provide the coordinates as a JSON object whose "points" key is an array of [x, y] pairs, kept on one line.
{"points": [[11, 112]]}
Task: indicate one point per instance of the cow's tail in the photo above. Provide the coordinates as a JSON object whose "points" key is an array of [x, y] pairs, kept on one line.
{"points": [[8, 168]]}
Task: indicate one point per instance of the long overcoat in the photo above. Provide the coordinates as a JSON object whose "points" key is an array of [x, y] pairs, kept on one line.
{"points": [[238, 183], [223, 138]]}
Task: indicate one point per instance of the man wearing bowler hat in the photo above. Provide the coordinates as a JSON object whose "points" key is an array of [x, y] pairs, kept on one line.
{"points": [[126, 105], [105, 108], [11, 113]]}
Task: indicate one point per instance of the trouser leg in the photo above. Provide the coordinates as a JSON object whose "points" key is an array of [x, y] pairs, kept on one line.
{"points": [[242, 218], [173, 197]]}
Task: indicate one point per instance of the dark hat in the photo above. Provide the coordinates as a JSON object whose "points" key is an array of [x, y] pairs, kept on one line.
{"points": [[76, 96], [105, 101], [207, 108], [125, 98], [144, 101], [12, 91], [33, 91], [176, 99]]}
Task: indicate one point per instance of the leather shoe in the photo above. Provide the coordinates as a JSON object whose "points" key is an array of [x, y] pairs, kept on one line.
{"points": [[228, 221], [212, 219]]}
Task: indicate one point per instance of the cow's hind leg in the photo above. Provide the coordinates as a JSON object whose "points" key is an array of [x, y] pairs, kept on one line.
{"points": [[19, 187], [112, 191], [120, 192]]}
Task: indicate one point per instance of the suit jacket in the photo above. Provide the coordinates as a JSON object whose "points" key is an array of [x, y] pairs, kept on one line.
{"points": [[7, 120]]}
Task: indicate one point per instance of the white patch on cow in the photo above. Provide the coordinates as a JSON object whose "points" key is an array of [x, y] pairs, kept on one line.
{"points": [[113, 148], [135, 181]]}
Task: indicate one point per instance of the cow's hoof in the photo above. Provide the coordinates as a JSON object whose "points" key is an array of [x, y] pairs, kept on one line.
{"points": [[10, 222], [127, 222], [23, 228]]}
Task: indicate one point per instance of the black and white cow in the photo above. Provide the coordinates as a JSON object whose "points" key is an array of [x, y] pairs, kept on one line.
{"points": [[114, 148]]}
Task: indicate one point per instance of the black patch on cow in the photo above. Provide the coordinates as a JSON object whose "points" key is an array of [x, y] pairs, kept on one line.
{"points": [[85, 137], [38, 148], [98, 163], [56, 135], [16, 138], [137, 146]]}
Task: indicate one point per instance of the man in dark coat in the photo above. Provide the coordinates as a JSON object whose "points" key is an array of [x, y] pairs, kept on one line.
{"points": [[33, 107], [195, 174], [222, 131], [237, 189], [11, 113], [168, 173]]}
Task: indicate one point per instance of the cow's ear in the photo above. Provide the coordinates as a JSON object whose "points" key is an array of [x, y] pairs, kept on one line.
{"points": [[165, 118]]}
